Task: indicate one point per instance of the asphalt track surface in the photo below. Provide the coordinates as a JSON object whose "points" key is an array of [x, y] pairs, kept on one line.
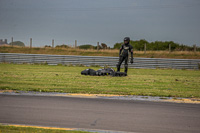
{"points": [[103, 114]]}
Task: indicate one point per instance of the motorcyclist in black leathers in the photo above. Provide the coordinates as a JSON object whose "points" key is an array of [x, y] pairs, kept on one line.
{"points": [[124, 54]]}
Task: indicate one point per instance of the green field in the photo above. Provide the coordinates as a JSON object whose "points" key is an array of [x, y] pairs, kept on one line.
{"points": [[146, 82], [14, 129]]}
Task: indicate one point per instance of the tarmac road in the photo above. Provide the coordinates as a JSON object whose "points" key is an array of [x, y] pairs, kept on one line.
{"points": [[105, 114]]}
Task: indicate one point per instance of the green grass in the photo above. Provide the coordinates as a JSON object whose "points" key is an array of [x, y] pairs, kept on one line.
{"points": [[14, 129], [146, 82]]}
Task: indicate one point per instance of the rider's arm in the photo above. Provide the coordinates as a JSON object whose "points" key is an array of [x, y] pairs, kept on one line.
{"points": [[131, 50], [120, 50]]}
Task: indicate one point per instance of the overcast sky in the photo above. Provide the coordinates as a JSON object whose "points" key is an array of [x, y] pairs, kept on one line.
{"points": [[107, 21]]}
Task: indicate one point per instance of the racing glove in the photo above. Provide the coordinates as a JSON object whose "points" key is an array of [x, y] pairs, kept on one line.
{"points": [[131, 61]]}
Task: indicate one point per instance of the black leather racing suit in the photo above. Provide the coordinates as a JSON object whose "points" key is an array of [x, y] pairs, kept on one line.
{"points": [[124, 55]]}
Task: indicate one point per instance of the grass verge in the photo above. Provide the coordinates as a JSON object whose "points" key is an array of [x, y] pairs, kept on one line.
{"points": [[146, 82], [106, 52], [21, 129]]}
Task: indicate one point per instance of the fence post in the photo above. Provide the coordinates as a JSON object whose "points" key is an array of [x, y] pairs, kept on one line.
{"points": [[30, 42], [52, 43], [195, 48], [75, 43], [12, 41], [169, 48], [97, 45], [145, 48]]}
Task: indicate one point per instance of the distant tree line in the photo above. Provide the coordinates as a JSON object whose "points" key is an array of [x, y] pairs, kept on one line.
{"points": [[137, 45], [89, 46], [17, 43], [85, 46], [157, 45]]}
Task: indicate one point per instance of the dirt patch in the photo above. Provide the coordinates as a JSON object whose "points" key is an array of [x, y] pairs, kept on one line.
{"points": [[56, 128], [8, 91], [185, 100], [86, 95]]}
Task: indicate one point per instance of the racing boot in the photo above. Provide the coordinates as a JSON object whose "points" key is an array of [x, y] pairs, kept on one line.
{"points": [[126, 69], [118, 68]]}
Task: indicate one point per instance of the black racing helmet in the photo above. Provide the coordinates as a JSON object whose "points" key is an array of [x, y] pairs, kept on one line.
{"points": [[127, 39]]}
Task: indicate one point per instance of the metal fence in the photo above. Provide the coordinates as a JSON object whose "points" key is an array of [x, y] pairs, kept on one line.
{"points": [[98, 61]]}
